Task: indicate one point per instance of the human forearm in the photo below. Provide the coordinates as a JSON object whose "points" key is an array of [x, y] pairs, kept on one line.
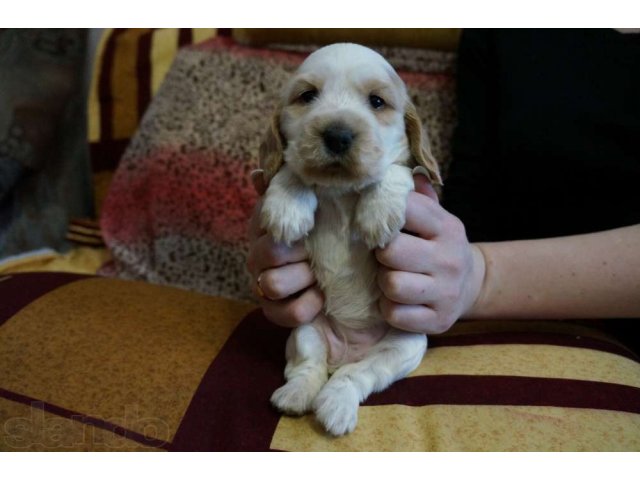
{"points": [[584, 276]]}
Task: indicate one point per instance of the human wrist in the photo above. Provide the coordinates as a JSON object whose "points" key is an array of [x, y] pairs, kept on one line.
{"points": [[476, 285]]}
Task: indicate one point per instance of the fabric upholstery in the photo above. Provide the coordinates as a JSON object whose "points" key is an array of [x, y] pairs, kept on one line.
{"points": [[430, 38], [130, 65], [91, 363]]}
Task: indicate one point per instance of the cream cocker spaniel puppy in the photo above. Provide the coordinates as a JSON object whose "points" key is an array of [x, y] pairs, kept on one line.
{"points": [[338, 158]]}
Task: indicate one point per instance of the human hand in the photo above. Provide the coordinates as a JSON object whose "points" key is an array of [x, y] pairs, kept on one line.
{"points": [[430, 274], [282, 277]]}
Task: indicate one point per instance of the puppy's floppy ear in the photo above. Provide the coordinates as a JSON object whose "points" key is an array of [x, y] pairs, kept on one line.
{"points": [[271, 153], [418, 145]]}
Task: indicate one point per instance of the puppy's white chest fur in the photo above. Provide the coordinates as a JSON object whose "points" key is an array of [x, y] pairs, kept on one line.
{"points": [[341, 229], [343, 264]]}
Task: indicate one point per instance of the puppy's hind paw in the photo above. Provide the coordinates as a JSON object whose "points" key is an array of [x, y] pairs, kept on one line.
{"points": [[293, 398], [337, 409]]}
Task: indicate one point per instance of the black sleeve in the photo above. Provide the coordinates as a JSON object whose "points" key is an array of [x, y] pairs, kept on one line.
{"points": [[470, 190]]}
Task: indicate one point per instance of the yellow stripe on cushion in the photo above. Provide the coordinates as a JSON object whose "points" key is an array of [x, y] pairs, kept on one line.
{"points": [[107, 348], [124, 85], [468, 428], [77, 260], [101, 182], [93, 103], [547, 361], [29, 261], [202, 34], [164, 47]]}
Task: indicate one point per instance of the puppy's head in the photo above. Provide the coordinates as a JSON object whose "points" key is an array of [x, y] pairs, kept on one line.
{"points": [[344, 117]]}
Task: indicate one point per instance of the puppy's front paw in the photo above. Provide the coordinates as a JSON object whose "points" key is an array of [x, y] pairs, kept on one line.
{"points": [[336, 408], [286, 221], [379, 223], [294, 397]]}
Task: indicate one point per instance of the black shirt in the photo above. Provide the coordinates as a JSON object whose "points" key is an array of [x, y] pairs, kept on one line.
{"points": [[548, 135]]}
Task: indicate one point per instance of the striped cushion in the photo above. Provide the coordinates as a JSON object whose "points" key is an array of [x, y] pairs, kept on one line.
{"points": [[432, 38], [90, 363], [130, 65]]}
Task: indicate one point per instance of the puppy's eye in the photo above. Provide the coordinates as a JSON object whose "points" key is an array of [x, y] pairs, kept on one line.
{"points": [[308, 96], [376, 102]]}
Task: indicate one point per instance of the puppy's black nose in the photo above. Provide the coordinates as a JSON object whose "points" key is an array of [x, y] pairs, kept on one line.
{"points": [[337, 138]]}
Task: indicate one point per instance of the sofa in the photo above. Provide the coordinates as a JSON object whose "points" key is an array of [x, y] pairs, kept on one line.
{"points": [[139, 332]]}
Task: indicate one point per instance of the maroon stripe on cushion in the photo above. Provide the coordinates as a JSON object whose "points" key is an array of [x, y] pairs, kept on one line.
{"points": [[509, 390], [230, 411], [143, 72], [105, 95], [106, 154], [85, 241], [17, 290], [84, 232], [82, 418], [86, 223], [532, 338], [185, 37]]}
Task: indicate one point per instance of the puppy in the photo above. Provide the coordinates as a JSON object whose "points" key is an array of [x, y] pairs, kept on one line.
{"points": [[338, 157]]}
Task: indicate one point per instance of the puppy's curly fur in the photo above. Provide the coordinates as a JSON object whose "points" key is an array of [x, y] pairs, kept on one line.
{"points": [[339, 155]]}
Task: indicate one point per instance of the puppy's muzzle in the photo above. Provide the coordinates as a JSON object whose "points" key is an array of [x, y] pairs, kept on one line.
{"points": [[338, 138]]}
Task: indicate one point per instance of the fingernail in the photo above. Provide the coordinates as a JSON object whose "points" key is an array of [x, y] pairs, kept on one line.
{"points": [[255, 173], [420, 170]]}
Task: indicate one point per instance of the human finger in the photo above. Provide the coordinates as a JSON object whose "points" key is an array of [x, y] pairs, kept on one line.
{"points": [[424, 216], [255, 230], [423, 185], [408, 253], [282, 282], [406, 287], [265, 253], [411, 318], [293, 312]]}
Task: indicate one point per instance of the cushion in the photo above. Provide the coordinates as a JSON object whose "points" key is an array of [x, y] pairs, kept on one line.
{"points": [[77, 260], [433, 38], [44, 164], [179, 203], [130, 64], [87, 254], [90, 363]]}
